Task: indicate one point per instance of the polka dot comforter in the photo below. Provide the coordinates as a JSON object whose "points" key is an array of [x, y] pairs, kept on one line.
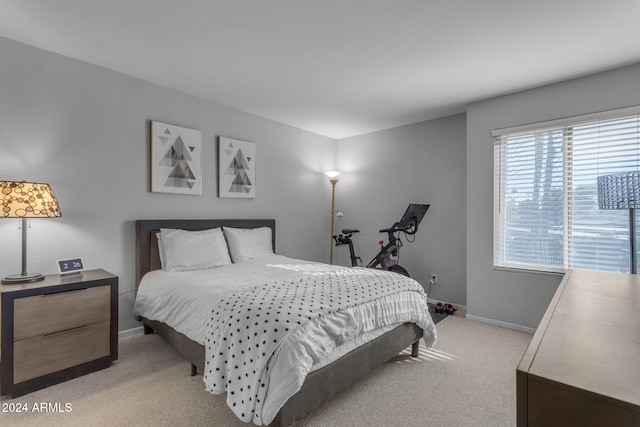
{"points": [[270, 322]]}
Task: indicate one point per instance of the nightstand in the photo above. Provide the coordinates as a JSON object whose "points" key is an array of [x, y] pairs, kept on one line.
{"points": [[57, 329]]}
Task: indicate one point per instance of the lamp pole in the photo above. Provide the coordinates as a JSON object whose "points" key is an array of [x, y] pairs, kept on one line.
{"points": [[633, 262], [333, 179], [333, 182]]}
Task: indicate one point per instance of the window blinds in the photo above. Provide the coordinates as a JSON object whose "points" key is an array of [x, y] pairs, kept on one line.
{"points": [[546, 214]]}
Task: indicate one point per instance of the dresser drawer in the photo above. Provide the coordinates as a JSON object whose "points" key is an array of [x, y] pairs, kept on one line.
{"points": [[42, 355], [45, 314]]}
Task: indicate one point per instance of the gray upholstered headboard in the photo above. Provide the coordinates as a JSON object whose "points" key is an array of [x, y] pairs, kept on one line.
{"points": [[147, 256]]}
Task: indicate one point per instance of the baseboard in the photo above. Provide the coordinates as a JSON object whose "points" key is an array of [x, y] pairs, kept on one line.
{"points": [[130, 333], [501, 324]]}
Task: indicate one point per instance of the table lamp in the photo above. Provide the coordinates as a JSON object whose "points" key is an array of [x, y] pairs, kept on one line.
{"points": [[26, 200], [622, 191]]}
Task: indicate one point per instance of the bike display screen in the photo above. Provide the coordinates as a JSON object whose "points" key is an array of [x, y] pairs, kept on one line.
{"points": [[413, 215]]}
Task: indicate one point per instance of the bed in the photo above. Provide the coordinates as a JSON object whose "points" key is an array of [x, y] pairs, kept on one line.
{"points": [[320, 384]]}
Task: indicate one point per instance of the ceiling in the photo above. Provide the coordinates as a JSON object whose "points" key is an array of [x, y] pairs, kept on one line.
{"points": [[337, 67]]}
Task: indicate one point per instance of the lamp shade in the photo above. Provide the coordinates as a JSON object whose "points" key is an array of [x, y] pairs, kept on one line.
{"points": [[620, 191], [332, 174], [27, 200]]}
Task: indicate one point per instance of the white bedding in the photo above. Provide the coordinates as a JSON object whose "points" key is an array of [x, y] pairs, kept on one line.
{"points": [[208, 305]]}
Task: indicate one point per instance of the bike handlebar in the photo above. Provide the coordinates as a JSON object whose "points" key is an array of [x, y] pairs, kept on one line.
{"points": [[409, 229]]}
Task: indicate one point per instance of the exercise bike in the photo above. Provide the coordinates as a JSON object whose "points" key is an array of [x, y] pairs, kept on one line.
{"points": [[389, 254]]}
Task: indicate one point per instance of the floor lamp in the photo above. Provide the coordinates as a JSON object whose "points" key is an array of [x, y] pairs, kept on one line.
{"points": [[622, 191], [26, 200], [333, 179]]}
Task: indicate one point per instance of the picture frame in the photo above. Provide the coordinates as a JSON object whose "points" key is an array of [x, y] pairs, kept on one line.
{"points": [[176, 159], [236, 168]]}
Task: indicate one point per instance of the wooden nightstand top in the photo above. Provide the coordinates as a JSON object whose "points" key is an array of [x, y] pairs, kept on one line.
{"points": [[59, 279]]}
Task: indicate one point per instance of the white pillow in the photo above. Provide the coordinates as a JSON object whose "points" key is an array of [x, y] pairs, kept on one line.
{"points": [[163, 260], [248, 243], [193, 250]]}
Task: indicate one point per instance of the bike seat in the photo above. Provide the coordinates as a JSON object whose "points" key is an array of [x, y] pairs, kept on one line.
{"points": [[349, 231]]}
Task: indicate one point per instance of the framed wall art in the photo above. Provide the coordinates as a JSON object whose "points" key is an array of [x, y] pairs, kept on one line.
{"points": [[176, 159], [236, 168]]}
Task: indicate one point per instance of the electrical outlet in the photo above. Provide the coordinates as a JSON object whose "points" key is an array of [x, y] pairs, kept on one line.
{"points": [[434, 278]]}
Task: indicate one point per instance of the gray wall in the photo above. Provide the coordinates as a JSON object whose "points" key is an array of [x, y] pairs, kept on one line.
{"points": [[85, 130], [385, 171], [509, 297]]}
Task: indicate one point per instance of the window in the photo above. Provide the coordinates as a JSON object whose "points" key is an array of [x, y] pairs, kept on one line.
{"points": [[546, 214]]}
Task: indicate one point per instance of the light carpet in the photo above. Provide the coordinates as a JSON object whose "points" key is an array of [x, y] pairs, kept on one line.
{"points": [[467, 379]]}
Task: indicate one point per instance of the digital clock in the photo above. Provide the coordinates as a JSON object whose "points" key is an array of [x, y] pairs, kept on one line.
{"points": [[70, 265]]}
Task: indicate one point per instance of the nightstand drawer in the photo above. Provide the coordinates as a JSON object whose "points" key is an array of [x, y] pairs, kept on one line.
{"points": [[41, 355], [44, 314]]}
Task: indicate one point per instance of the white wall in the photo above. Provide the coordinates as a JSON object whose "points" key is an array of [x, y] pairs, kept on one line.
{"points": [[509, 297], [385, 171], [85, 130]]}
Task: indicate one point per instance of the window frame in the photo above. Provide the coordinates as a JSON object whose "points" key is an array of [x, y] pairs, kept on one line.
{"points": [[566, 125]]}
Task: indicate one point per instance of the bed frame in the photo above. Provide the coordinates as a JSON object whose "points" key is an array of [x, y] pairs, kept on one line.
{"points": [[319, 386]]}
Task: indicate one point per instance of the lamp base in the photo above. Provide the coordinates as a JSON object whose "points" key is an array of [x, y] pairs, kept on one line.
{"points": [[22, 278]]}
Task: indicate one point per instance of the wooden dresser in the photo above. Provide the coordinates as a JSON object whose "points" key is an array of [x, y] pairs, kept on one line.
{"points": [[57, 329], [582, 367]]}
